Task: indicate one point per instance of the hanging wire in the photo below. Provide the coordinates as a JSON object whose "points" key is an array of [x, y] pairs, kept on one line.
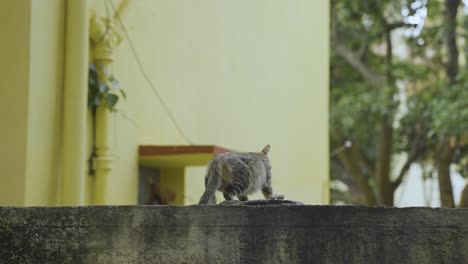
{"points": [[147, 78]]}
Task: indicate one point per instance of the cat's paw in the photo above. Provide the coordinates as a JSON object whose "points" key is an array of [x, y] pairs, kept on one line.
{"points": [[277, 197]]}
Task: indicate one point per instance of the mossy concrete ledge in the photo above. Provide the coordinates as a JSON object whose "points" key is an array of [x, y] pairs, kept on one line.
{"points": [[233, 234]]}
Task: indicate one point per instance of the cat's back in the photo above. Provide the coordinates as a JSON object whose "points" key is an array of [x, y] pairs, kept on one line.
{"points": [[234, 156], [248, 159]]}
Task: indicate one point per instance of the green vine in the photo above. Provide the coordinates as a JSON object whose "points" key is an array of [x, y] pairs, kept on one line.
{"points": [[100, 93]]}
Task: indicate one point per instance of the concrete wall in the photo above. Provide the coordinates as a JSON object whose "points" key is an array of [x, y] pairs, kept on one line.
{"points": [[233, 234]]}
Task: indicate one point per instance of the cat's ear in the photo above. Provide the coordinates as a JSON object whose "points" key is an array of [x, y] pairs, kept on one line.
{"points": [[266, 149]]}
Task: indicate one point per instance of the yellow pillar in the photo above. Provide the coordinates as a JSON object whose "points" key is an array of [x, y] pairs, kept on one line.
{"points": [[75, 100], [15, 28]]}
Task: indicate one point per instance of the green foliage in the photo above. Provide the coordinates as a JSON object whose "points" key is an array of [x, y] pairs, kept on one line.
{"points": [[450, 110], [416, 96], [356, 105], [103, 93]]}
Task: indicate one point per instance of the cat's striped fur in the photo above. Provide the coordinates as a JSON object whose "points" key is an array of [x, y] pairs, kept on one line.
{"points": [[238, 174]]}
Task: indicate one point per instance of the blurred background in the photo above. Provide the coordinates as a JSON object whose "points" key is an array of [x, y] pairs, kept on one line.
{"points": [[399, 102]]}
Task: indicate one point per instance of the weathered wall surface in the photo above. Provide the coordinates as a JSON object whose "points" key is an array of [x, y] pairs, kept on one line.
{"points": [[233, 234]]}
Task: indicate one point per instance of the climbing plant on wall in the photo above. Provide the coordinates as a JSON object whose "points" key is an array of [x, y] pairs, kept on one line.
{"points": [[103, 93]]}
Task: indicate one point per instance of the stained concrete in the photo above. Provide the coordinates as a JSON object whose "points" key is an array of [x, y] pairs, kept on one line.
{"points": [[233, 234]]}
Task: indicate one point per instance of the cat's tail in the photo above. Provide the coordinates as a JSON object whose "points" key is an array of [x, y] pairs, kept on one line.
{"points": [[212, 183]]}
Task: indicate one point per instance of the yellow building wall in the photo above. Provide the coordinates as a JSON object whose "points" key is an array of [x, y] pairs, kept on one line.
{"points": [[14, 95], [239, 74], [45, 102]]}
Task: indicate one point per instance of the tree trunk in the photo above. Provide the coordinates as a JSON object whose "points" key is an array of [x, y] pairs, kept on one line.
{"points": [[451, 8], [444, 150], [444, 158], [351, 162], [464, 197], [384, 185], [385, 137]]}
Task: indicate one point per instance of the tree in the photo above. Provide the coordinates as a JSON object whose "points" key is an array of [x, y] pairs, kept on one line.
{"points": [[370, 86]]}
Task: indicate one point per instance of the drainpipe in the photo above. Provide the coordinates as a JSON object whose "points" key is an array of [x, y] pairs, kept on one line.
{"points": [[75, 103], [104, 38]]}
